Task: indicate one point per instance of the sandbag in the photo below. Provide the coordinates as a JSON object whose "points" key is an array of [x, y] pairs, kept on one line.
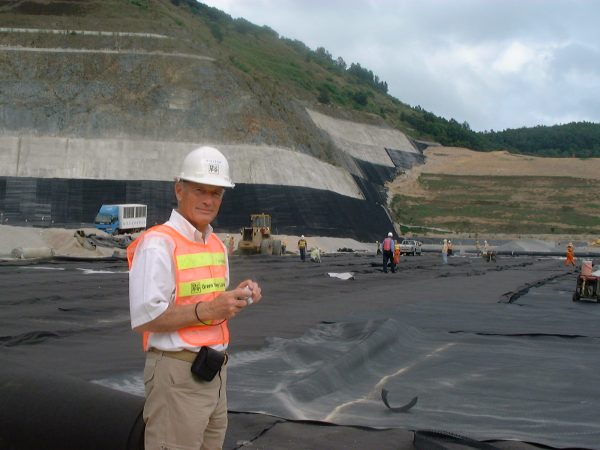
{"points": [[32, 252]]}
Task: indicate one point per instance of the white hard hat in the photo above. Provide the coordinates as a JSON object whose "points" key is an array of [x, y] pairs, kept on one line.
{"points": [[390, 234], [302, 237], [206, 165]]}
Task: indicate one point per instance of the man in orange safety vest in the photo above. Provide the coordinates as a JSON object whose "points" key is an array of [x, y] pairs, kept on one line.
{"points": [[388, 252], [570, 260], [179, 302]]}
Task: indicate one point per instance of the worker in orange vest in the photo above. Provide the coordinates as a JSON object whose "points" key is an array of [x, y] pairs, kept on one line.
{"points": [[397, 254], [387, 247], [570, 255]]}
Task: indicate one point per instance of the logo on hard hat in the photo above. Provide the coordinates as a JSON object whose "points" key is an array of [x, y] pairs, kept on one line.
{"points": [[214, 166]]}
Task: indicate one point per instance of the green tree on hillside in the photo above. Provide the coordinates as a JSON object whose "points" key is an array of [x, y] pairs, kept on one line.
{"points": [[575, 139]]}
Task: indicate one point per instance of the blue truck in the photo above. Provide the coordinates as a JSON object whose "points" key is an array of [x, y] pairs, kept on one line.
{"points": [[119, 219]]}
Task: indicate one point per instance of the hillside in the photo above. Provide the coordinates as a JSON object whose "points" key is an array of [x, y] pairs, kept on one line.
{"points": [[210, 77], [264, 78], [465, 191]]}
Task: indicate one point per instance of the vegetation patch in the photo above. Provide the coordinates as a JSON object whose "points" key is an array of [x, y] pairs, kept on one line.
{"points": [[502, 204]]}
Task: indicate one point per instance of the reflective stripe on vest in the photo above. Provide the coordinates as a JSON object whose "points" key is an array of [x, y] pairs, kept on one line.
{"points": [[200, 277], [201, 287]]}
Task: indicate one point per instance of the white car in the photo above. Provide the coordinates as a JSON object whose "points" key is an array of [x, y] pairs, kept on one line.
{"points": [[410, 247]]}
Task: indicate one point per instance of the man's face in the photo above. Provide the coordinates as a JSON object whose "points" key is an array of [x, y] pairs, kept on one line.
{"points": [[198, 203]]}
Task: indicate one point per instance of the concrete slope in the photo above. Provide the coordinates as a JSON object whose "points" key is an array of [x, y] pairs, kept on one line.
{"points": [[120, 159], [362, 141]]}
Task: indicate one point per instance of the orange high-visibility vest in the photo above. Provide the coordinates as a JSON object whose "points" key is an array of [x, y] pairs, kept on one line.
{"points": [[387, 244], [200, 276]]}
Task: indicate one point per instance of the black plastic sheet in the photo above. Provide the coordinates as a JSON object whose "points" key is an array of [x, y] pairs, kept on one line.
{"points": [[294, 210], [322, 349]]}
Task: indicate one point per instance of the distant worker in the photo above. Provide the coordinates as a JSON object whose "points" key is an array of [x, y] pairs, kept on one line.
{"points": [[231, 245], [302, 248], [397, 255], [450, 249], [388, 252], [283, 246], [445, 251], [378, 247], [315, 255], [570, 255], [488, 252], [178, 301], [477, 247]]}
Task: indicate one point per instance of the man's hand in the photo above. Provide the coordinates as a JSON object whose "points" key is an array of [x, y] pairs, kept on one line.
{"points": [[224, 306], [229, 303], [253, 291]]}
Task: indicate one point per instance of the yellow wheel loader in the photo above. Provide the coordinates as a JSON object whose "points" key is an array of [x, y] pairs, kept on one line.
{"points": [[257, 239]]}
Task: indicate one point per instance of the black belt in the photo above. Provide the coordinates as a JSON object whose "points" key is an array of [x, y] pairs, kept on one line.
{"points": [[183, 355]]}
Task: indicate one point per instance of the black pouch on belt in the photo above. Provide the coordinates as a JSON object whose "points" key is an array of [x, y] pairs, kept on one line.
{"points": [[207, 364]]}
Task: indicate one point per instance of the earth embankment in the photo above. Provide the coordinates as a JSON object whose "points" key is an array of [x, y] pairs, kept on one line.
{"points": [[463, 191]]}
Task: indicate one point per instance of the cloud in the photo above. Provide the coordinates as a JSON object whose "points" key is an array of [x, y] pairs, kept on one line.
{"points": [[514, 58]]}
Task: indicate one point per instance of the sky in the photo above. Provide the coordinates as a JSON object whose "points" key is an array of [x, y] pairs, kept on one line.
{"points": [[495, 64]]}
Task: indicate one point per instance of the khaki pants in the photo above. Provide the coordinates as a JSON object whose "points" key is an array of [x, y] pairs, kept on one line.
{"points": [[182, 412]]}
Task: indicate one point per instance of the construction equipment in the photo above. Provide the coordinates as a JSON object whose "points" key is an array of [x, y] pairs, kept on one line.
{"points": [[595, 243], [588, 285], [257, 237], [587, 288]]}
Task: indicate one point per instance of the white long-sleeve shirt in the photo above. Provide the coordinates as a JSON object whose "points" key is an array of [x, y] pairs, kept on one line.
{"points": [[152, 281]]}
